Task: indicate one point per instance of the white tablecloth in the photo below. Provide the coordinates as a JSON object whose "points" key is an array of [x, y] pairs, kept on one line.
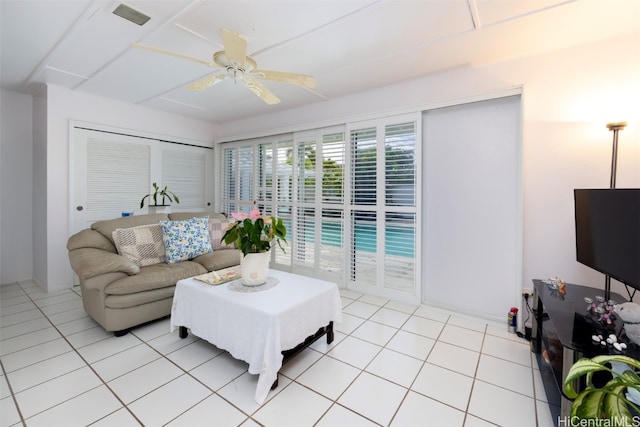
{"points": [[256, 327]]}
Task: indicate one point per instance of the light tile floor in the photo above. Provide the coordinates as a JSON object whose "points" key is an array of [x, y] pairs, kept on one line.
{"points": [[391, 364]]}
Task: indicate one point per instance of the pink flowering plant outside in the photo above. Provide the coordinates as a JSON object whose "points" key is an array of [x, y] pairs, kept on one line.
{"points": [[255, 233]]}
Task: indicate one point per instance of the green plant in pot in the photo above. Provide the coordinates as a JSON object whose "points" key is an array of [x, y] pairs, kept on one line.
{"points": [[162, 194], [254, 234], [609, 402]]}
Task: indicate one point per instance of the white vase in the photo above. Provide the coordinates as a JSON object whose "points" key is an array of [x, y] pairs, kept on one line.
{"points": [[254, 268], [156, 209]]}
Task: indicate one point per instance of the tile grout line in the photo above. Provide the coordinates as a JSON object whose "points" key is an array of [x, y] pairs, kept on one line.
{"points": [[335, 401], [188, 373], [87, 365], [13, 395]]}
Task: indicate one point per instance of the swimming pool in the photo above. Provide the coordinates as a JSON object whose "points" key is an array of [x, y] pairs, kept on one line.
{"points": [[399, 240]]}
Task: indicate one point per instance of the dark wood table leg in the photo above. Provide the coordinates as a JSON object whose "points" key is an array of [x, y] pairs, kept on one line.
{"points": [[275, 384], [330, 332], [183, 332]]}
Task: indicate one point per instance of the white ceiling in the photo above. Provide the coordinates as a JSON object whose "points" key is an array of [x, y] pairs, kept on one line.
{"points": [[348, 45]]}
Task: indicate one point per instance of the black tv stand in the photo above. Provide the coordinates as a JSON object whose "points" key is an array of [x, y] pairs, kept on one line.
{"points": [[561, 334]]}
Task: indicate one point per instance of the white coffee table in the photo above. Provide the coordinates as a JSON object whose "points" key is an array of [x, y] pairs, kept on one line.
{"points": [[258, 326]]}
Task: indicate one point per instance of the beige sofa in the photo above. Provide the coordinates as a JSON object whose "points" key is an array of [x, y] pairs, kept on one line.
{"points": [[120, 293]]}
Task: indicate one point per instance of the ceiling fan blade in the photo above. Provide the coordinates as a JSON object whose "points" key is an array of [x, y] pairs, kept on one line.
{"points": [[171, 53], [281, 76], [207, 82], [235, 47], [261, 90]]}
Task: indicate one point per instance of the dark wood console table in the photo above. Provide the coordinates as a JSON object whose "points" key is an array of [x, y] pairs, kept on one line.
{"points": [[561, 334]]}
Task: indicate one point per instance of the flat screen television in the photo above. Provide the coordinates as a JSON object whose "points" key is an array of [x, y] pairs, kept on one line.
{"points": [[608, 232]]}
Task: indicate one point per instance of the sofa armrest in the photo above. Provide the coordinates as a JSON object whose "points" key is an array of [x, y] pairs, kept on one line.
{"points": [[90, 239], [90, 262]]}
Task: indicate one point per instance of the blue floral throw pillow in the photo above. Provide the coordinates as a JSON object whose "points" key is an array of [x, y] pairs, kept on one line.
{"points": [[186, 239]]}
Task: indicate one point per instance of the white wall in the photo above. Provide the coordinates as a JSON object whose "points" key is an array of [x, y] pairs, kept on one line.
{"points": [[16, 181], [568, 97], [40, 197], [63, 106]]}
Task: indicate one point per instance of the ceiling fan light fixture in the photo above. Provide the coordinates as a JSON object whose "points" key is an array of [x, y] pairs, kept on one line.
{"points": [[235, 73]]}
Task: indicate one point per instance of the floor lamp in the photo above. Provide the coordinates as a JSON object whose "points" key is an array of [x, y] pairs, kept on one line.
{"points": [[615, 127]]}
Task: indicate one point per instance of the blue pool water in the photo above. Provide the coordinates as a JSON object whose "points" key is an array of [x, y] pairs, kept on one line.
{"points": [[399, 241]]}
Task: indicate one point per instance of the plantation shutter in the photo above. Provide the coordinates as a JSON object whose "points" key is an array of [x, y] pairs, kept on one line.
{"points": [[230, 180], [332, 188], [245, 165], [364, 166], [383, 211], [240, 179], [284, 194], [305, 165], [333, 158], [400, 164], [364, 229], [400, 194], [265, 177]]}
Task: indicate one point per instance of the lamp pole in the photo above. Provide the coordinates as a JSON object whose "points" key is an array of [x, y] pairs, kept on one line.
{"points": [[615, 127]]}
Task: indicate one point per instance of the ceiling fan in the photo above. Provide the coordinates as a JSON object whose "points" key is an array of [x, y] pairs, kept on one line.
{"points": [[236, 65]]}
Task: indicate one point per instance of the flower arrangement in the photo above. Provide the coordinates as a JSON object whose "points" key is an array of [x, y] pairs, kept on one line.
{"points": [[254, 233]]}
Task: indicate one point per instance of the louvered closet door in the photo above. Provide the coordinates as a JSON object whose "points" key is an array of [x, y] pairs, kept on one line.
{"points": [[187, 171], [110, 174]]}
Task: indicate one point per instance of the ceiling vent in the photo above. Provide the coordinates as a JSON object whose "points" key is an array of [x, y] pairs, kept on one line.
{"points": [[131, 15]]}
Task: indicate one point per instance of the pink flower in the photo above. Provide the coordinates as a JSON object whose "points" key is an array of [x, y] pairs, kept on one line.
{"points": [[239, 216], [254, 214]]}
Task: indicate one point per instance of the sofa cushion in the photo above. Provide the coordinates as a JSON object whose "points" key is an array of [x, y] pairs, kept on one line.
{"points": [[155, 276], [143, 244], [217, 260], [107, 227], [217, 228], [138, 298], [186, 239]]}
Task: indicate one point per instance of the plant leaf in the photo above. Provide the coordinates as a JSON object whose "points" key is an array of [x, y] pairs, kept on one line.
{"points": [[615, 404], [591, 405], [582, 367], [607, 358]]}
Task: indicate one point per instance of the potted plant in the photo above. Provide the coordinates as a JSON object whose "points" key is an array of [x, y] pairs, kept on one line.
{"points": [[254, 234], [613, 401], [162, 194]]}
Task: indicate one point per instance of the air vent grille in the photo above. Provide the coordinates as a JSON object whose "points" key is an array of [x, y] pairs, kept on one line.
{"points": [[131, 15]]}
